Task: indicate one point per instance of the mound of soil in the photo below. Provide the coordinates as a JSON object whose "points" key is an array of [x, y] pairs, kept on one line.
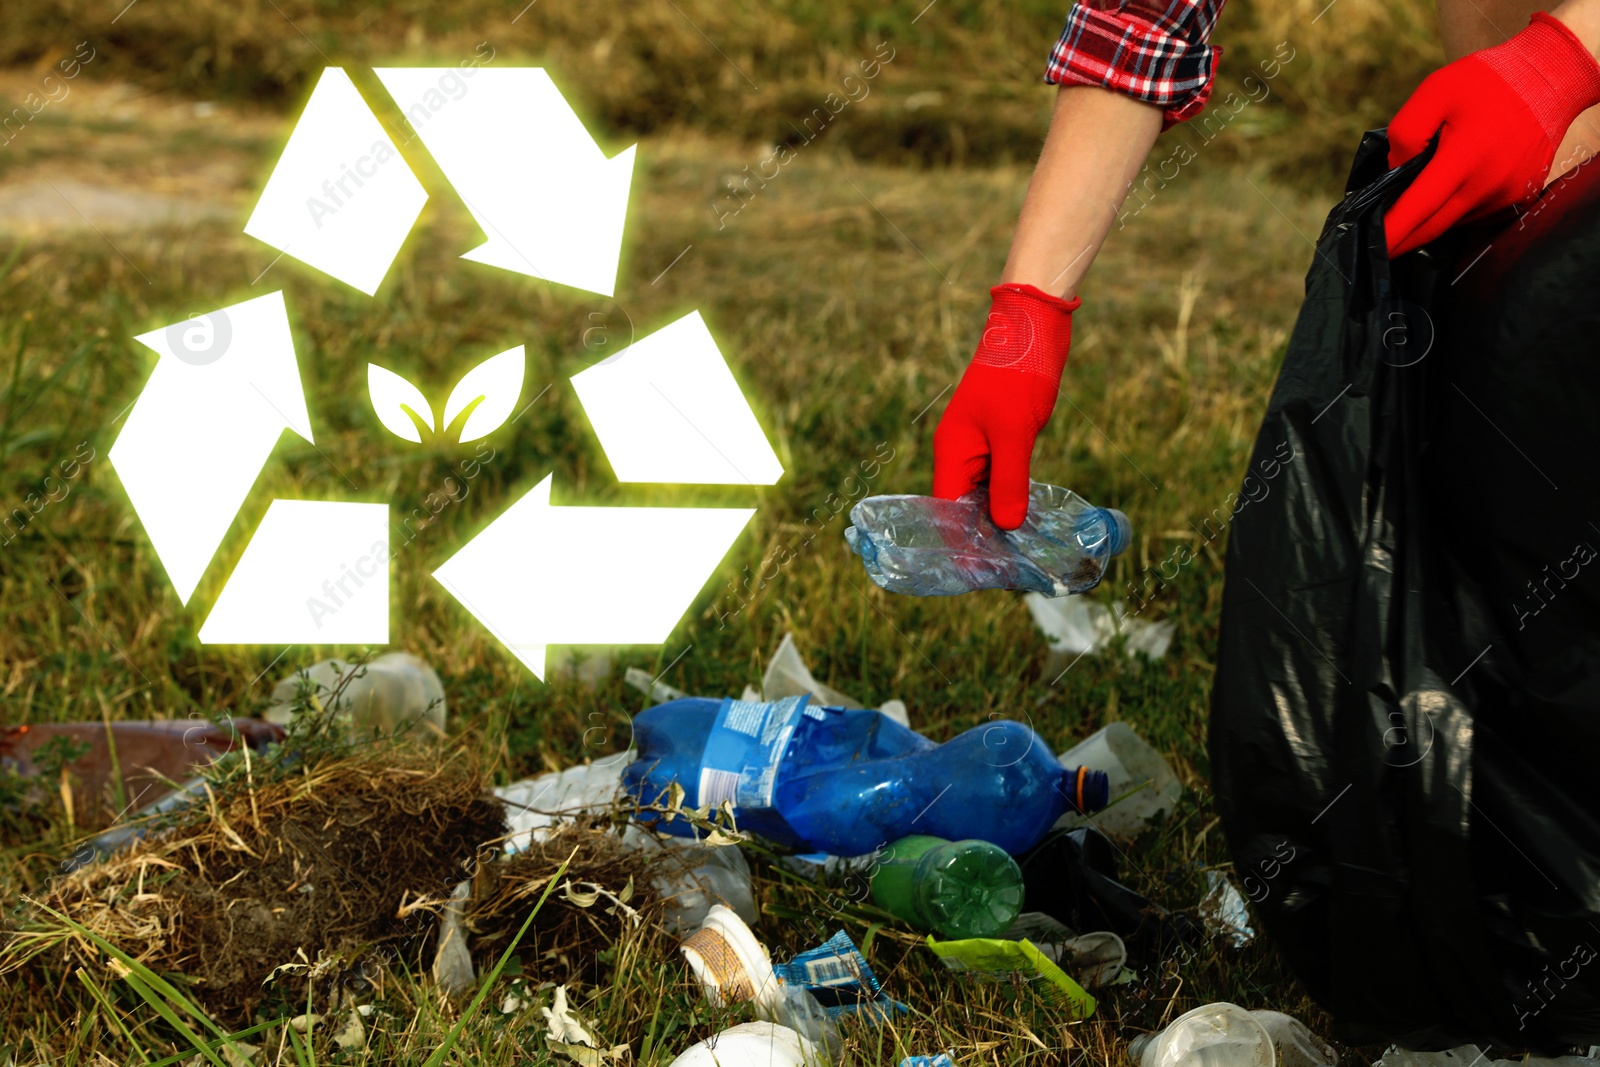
{"points": [[330, 868]]}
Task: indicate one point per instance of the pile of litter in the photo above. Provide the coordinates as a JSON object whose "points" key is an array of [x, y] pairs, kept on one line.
{"points": [[275, 890]]}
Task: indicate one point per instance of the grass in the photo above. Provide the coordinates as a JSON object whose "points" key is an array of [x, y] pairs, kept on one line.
{"points": [[846, 296]]}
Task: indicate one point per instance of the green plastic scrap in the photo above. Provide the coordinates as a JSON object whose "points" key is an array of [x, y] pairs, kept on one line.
{"points": [[985, 955]]}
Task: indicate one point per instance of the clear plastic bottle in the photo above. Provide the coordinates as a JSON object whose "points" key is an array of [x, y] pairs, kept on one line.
{"points": [[925, 546], [957, 889]]}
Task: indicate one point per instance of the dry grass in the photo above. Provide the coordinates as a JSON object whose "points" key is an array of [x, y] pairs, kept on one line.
{"points": [[347, 859], [964, 85]]}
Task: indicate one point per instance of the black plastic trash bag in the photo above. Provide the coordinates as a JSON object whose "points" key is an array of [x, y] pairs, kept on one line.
{"points": [[1406, 714]]}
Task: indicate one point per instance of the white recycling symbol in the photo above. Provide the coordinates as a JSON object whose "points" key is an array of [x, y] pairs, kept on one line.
{"points": [[342, 200]]}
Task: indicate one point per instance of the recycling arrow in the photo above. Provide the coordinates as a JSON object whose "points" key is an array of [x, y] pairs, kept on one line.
{"points": [[540, 575], [225, 388], [549, 201]]}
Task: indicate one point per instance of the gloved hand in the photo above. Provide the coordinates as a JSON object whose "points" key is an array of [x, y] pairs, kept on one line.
{"points": [[1500, 115], [1003, 400]]}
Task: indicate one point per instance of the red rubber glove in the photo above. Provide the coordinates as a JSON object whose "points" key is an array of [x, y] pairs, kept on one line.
{"points": [[1500, 115], [1003, 400]]}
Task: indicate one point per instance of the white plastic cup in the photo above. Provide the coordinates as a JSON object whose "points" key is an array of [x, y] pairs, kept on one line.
{"points": [[1128, 760], [1095, 959], [1216, 1035], [732, 966], [751, 1045]]}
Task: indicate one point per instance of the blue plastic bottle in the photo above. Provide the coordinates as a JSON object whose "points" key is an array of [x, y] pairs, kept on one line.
{"points": [[848, 782]]}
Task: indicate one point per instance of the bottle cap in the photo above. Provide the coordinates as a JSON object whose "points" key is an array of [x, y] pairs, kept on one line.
{"points": [[968, 889], [1087, 790], [1119, 531]]}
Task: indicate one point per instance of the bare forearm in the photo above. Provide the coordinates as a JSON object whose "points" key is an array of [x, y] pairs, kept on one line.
{"points": [[1098, 140]]}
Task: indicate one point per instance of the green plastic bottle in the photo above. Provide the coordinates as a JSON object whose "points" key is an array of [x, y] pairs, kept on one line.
{"points": [[956, 889]]}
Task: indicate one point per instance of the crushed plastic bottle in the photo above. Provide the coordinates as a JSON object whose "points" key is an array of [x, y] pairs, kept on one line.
{"points": [[925, 546], [849, 782], [957, 889]]}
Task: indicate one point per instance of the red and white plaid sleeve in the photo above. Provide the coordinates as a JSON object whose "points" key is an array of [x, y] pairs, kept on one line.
{"points": [[1152, 50]]}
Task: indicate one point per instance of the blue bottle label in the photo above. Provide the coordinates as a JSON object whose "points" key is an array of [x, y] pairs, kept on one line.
{"points": [[744, 749], [838, 975]]}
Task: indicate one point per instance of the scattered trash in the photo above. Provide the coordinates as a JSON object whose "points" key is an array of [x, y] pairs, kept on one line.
{"points": [[654, 688], [988, 956], [1130, 764], [1216, 1035], [140, 758], [1224, 911], [1096, 959], [1072, 876], [566, 1035], [841, 980], [943, 1059], [560, 1025], [692, 877], [925, 546], [1226, 1035], [394, 693], [1039, 928], [452, 962], [517, 999], [733, 968], [788, 676], [535, 805], [819, 865], [957, 889], [848, 782], [352, 1036], [759, 1044], [1297, 1046], [1075, 626]]}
